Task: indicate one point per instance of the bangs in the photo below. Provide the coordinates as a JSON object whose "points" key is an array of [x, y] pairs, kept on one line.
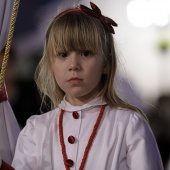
{"points": [[75, 31]]}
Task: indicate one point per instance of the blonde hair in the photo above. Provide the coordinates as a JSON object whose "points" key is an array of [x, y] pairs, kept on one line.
{"points": [[78, 31]]}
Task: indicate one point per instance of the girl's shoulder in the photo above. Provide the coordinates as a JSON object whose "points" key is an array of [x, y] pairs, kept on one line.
{"points": [[122, 111], [125, 116], [44, 119], [130, 122]]}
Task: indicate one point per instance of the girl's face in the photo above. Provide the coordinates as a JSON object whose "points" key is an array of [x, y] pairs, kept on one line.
{"points": [[78, 74]]}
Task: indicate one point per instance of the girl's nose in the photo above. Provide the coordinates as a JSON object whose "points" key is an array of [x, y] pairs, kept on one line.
{"points": [[74, 64]]}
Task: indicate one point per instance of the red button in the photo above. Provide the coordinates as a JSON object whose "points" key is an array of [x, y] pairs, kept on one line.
{"points": [[69, 163], [71, 139], [75, 115]]}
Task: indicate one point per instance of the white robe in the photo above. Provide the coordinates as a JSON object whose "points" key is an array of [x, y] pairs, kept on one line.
{"points": [[123, 141], [9, 128]]}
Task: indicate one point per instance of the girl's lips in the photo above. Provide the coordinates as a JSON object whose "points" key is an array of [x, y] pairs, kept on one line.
{"points": [[75, 80]]}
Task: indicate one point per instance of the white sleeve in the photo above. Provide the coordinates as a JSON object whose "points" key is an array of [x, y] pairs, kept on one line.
{"points": [[25, 153], [142, 152]]}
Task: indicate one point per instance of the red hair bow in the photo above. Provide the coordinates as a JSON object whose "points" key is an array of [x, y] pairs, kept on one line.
{"points": [[96, 12]]}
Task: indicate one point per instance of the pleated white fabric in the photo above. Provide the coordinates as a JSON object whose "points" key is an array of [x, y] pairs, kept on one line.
{"points": [[9, 130], [5, 17], [123, 141]]}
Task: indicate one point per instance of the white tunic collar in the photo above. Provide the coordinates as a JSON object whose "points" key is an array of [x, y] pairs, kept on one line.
{"points": [[70, 108]]}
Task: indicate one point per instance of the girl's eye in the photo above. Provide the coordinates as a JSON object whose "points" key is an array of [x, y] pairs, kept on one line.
{"points": [[62, 54], [86, 53]]}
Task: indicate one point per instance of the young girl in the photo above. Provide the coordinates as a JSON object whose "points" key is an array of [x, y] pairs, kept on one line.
{"points": [[90, 127]]}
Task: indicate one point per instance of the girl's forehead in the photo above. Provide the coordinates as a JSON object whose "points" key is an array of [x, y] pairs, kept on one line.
{"points": [[79, 43], [76, 32]]}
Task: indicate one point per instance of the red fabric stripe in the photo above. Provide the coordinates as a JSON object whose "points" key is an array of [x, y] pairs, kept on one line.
{"points": [[3, 95], [5, 166]]}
